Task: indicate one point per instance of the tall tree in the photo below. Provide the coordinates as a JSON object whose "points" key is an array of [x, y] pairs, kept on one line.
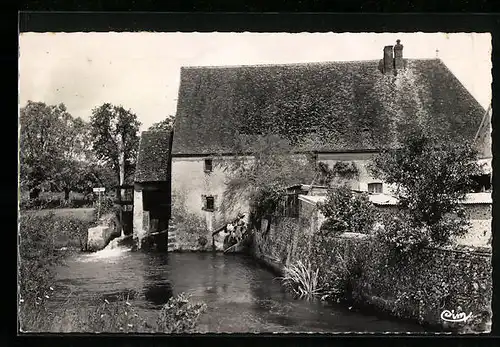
{"points": [[75, 166], [43, 141], [115, 139], [164, 125]]}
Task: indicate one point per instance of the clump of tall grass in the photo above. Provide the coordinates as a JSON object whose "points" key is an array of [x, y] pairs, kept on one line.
{"points": [[301, 279]]}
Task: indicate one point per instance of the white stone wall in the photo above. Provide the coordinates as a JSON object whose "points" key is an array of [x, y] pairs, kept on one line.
{"points": [[190, 183], [138, 221], [479, 233]]}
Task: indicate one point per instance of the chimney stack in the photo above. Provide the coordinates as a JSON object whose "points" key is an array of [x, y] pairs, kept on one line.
{"points": [[388, 61], [398, 56]]}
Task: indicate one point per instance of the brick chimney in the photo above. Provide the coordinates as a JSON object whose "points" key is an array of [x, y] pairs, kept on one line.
{"points": [[398, 56], [388, 61]]}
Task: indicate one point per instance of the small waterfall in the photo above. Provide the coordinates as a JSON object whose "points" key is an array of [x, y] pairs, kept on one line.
{"points": [[114, 249]]}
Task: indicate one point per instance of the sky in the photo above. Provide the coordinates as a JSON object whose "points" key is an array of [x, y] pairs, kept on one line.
{"points": [[141, 71]]}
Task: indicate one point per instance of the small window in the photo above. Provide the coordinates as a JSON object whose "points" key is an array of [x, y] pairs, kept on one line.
{"points": [[375, 188], [209, 203], [208, 165]]}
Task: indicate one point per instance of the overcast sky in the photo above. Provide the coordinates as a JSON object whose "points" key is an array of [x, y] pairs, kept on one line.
{"points": [[141, 70]]}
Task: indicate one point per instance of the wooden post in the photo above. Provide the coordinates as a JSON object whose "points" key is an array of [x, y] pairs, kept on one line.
{"points": [[99, 206]]}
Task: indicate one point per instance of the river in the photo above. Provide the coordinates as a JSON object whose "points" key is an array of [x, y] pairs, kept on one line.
{"points": [[240, 294]]}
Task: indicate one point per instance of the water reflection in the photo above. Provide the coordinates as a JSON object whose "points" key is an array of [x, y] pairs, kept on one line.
{"points": [[157, 287]]}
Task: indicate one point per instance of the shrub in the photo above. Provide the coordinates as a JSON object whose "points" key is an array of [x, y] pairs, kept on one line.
{"points": [[72, 231], [262, 180], [346, 211], [346, 261], [431, 179], [107, 205], [301, 279], [401, 237], [115, 316], [190, 227], [179, 315], [343, 276]]}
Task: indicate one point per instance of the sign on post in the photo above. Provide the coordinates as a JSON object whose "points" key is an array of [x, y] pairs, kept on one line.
{"points": [[99, 190]]}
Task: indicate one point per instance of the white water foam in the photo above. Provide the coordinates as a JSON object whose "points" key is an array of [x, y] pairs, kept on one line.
{"points": [[112, 250]]}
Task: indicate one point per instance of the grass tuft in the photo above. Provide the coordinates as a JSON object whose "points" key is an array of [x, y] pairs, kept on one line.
{"points": [[302, 280]]}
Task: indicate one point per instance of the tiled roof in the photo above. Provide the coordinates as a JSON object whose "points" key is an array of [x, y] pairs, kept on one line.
{"points": [[333, 106], [152, 159]]}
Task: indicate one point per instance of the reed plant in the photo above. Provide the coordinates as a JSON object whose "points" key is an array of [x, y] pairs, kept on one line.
{"points": [[302, 279]]}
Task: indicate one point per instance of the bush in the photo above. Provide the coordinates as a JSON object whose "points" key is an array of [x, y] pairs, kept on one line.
{"points": [[178, 315], [346, 211], [431, 180], [343, 276], [54, 202], [107, 205], [401, 237], [346, 261], [191, 228]]}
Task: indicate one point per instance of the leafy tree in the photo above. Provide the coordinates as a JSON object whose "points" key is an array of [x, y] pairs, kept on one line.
{"points": [[431, 178], [55, 150], [75, 169], [115, 139], [346, 211], [262, 171], [164, 125], [49, 145]]}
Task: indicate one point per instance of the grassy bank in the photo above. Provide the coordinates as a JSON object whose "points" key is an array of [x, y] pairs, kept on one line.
{"points": [[178, 315], [83, 214], [46, 231]]}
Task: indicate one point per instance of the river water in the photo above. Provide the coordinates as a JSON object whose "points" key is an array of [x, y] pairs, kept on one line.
{"points": [[240, 294]]}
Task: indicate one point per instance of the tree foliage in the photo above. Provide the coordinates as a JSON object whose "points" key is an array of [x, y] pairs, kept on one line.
{"points": [[262, 174], [164, 125], [346, 211], [431, 178], [338, 174], [108, 123], [54, 149]]}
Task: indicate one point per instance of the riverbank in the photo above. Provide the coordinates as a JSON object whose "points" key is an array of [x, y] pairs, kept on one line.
{"points": [[356, 270], [48, 243]]}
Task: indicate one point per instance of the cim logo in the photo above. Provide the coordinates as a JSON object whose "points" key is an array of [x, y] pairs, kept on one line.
{"points": [[451, 316]]}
